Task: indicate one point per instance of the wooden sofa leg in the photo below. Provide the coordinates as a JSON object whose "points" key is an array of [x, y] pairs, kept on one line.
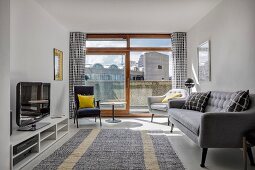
{"points": [[152, 117], [172, 127], [245, 153], [204, 152], [250, 156]]}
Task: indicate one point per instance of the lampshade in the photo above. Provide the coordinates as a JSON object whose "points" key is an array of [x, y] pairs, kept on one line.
{"points": [[189, 83]]}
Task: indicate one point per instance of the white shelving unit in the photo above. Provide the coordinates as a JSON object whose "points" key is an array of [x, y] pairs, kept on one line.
{"points": [[62, 128], [45, 137]]}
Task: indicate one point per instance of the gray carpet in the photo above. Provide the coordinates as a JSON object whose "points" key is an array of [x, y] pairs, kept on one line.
{"points": [[112, 149]]}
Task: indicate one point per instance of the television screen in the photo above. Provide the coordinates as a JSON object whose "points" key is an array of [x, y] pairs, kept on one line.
{"points": [[33, 102]]}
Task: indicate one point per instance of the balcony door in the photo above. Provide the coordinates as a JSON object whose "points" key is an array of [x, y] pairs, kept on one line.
{"points": [[150, 75]]}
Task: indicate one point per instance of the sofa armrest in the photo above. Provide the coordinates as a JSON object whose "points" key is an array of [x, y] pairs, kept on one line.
{"points": [[225, 129], [176, 103]]}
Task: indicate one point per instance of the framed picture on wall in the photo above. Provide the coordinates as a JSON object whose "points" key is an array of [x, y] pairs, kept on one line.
{"points": [[58, 64], [204, 61]]}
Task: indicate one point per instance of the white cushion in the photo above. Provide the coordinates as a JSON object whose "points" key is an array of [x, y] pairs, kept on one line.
{"points": [[182, 91], [159, 106]]}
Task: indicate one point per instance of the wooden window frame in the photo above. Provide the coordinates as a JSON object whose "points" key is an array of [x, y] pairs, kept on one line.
{"points": [[126, 51]]}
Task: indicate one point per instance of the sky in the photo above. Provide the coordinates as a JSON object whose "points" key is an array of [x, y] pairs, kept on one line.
{"points": [[105, 59], [133, 43]]}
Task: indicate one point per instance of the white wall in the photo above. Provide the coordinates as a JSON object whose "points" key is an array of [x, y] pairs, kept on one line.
{"points": [[231, 29], [34, 34], [5, 84]]}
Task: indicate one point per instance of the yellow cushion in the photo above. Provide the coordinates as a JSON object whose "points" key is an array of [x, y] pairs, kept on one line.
{"points": [[171, 96], [86, 101]]}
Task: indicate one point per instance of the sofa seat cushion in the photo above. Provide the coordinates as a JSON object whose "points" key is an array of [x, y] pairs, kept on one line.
{"points": [[188, 118], [159, 106]]}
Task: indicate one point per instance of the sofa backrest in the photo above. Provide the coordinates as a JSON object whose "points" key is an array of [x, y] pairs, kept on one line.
{"points": [[252, 102], [218, 101]]}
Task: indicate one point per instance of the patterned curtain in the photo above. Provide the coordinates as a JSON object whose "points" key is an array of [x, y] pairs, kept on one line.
{"points": [[179, 51], [76, 65]]}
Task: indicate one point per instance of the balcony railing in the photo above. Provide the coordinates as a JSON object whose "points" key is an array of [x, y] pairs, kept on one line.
{"points": [[140, 90], [109, 90]]}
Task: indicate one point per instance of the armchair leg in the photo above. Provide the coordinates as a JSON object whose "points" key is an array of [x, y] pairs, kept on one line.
{"points": [[172, 127], [77, 122], [250, 156], [152, 117], [204, 152], [74, 117]]}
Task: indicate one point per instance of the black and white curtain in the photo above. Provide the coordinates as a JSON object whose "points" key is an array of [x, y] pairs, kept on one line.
{"points": [[76, 64], [179, 51]]}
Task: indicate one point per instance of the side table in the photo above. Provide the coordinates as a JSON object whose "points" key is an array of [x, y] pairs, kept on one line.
{"points": [[113, 120], [248, 142]]}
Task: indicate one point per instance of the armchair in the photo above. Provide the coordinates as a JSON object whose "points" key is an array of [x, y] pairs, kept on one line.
{"points": [[156, 106], [85, 112]]}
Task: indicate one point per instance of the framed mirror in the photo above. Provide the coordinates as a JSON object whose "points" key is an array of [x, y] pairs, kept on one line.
{"points": [[58, 64], [204, 61]]}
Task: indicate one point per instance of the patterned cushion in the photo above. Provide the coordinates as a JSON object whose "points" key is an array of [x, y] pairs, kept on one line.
{"points": [[197, 101], [239, 102]]}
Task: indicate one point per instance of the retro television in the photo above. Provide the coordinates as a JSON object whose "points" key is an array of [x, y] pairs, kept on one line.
{"points": [[32, 105]]}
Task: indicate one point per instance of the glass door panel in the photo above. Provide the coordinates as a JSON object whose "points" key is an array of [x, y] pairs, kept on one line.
{"points": [[150, 75], [107, 74]]}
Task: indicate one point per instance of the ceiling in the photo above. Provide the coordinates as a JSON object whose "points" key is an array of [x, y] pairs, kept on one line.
{"points": [[128, 16]]}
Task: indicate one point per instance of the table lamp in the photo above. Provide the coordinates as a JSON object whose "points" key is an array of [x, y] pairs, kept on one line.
{"points": [[189, 83]]}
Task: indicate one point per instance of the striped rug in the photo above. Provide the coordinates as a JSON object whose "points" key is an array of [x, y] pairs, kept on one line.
{"points": [[114, 149]]}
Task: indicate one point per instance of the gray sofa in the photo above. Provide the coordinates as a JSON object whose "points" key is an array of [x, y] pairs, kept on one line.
{"points": [[215, 128]]}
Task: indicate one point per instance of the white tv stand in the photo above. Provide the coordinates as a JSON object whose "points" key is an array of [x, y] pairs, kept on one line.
{"points": [[46, 137]]}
